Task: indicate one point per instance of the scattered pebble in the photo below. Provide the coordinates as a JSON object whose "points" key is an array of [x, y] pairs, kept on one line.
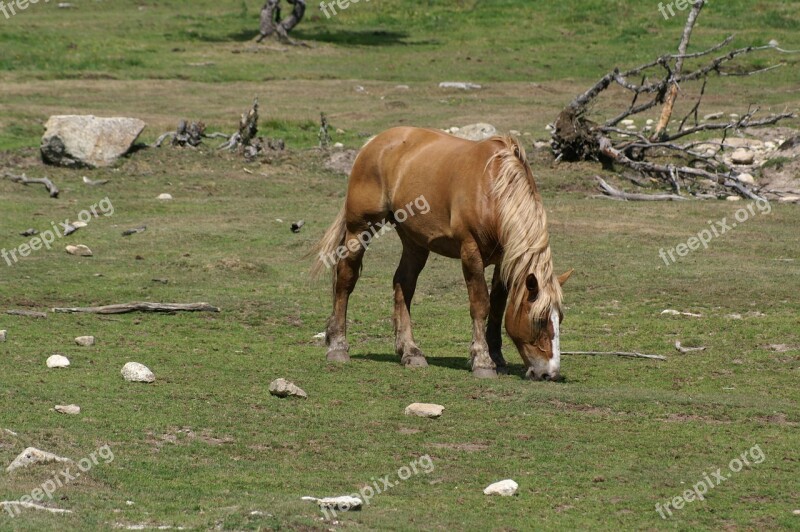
{"points": [[461, 85], [284, 388], [318, 336], [338, 146], [424, 410], [78, 225], [733, 198], [68, 409], [743, 157], [164, 196], [747, 179], [85, 341], [504, 488], [3, 335], [628, 122], [29, 232], [80, 250], [340, 504], [57, 361], [31, 456], [796, 512], [135, 372], [714, 116], [672, 312]]}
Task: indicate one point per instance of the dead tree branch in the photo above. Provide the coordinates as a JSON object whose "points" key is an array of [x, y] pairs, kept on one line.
{"points": [[23, 179], [141, 307], [613, 193], [615, 353], [577, 137]]}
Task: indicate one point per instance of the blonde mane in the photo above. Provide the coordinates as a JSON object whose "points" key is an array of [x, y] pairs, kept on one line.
{"points": [[523, 232]]}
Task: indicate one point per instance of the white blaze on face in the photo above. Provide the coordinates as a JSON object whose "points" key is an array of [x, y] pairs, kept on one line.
{"points": [[555, 362]]}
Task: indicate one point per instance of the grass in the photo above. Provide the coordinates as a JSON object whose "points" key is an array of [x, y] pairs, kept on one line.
{"points": [[206, 445]]}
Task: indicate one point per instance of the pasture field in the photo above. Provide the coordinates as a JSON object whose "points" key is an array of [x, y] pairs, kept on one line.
{"points": [[207, 447]]}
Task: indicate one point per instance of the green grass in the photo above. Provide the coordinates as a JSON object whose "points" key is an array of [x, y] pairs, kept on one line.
{"points": [[206, 445]]}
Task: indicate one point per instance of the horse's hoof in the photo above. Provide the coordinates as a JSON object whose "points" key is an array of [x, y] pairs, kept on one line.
{"points": [[338, 355], [415, 362], [484, 373]]}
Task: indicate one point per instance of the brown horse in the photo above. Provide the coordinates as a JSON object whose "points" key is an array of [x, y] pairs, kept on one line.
{"points": [[475, 201]]}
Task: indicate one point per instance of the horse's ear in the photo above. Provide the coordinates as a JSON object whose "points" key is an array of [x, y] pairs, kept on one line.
{"points": [[565, 276], [533, 287]]}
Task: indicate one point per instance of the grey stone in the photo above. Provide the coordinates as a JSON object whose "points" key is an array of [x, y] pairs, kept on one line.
{"points": [[57, 361], [85, 341], [460, 85], [86, 140], [284, 388], [68, 409], [504, 488], [479, 131], [79, 250], [135, 372]]}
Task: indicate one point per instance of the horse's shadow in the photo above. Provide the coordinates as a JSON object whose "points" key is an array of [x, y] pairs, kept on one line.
{"points": [[457, 363]]}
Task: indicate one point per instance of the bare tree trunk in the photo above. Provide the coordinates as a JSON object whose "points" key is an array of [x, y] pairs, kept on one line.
{"points": [[270, 16], [672, 94], [271, 22]]}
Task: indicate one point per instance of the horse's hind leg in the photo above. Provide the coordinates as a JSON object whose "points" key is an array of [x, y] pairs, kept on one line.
{"points": [[497, 300], [405, 283], [348, 270]]}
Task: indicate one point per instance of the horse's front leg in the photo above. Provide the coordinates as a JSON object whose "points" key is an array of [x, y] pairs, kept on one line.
{"points": [[405, 284], [494, 336], [472, 264]]}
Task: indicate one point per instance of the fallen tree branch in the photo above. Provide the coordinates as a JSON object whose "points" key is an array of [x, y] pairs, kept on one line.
{"points": [[23, 179], [615, 353], [26, 313], [611, 192], [32, 506], [685, 350], [141, 307]]}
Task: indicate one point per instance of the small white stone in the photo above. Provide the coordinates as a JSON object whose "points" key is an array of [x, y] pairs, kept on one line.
{"points": [[631, 127], [57, 361], [650, 122], [402, 87], [770, 145], [789, 199], [84, 341], [733, 198], [338, 146], [514, 132], [320, 336], [135, 372], [3, 335], [747, 179], [796, 512], [78, 225], [504, 488], [340, 504], [68, 409], [713, 116], [164, 196], [628, 122], [79, 250], [424, 410]]}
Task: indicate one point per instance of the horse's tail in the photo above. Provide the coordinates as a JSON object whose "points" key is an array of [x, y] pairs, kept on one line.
{"points": [[325, 250]]}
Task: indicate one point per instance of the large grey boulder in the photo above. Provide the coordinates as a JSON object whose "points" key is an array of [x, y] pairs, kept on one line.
{"points": [[479, 131], [86, 140]]}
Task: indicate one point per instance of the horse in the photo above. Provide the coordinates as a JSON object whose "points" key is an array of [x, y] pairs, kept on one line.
{"points": [[484, 208]]}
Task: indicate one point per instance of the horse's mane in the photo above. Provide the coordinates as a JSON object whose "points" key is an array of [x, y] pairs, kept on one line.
{"points": [[523, 231]]}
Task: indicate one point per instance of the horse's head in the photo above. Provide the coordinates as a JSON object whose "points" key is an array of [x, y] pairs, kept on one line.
{"points": [[537, 339]]}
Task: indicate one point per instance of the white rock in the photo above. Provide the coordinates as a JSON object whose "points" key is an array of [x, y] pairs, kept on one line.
{"points": [[746, 178], [135, 372], [338, 146], [320, 336], [743, 156], [714, 116], [650, 122], [79, 250], [770, 145], [3, 335], [57, 361], [479, 131], [402, 87], [628, 122], [68, 409], [789, 199], [284, 388], [424, 410], [78, 224], [514, 132], [73, 140], [461, 85], [733, 198], [504, 488], [31, 456], [340, 504], [631, 127], [84, 341], [796, 512], [164, 197]]}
